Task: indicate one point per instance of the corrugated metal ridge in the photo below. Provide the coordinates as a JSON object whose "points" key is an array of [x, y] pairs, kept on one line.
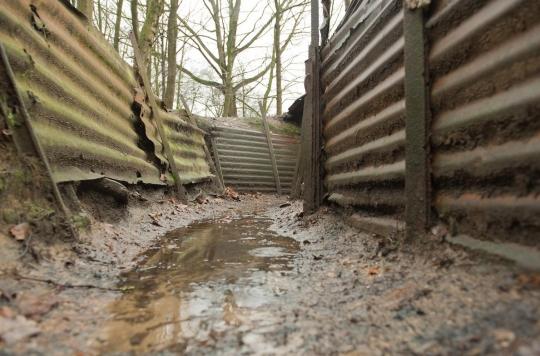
{"points": [[78, 92], [490, 108], [520, 47], [75, 77], [366, 198], [393, 25], [90, 54], [341, 37], [391, 53], [509, 205], [371, 123], [491, 159], [386, 172], [393, 81], [475, 24], [91, 39], [383, 144], [64, 143], [442, 15]]}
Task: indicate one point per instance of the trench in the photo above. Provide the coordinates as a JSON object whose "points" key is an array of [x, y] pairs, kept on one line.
{"points": [[207, 276]]}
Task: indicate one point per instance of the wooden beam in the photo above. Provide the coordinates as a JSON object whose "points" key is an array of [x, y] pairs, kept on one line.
{"points": [[216, 158], [141, 66], [268, 134], [417, 147]]}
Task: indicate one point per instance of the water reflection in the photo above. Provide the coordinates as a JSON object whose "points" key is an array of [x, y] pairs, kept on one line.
{"points": [[196, 282]]}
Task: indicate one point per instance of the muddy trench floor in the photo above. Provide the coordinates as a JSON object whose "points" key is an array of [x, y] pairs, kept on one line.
{"points": [[256, 276]]}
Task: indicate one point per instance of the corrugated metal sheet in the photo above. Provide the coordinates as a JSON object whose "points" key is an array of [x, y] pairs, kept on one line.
{"points": [[79, 94], [363, 115], [485, 69], [245, 160], [187, 145]]}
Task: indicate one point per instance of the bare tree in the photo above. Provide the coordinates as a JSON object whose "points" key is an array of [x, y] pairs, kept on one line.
{"points": [[117, 23], [282, 9], [154, 9], [172, 37], [229, 45]]}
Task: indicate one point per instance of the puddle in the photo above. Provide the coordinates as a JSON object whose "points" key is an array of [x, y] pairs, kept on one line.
{"points": [[197, 282]]}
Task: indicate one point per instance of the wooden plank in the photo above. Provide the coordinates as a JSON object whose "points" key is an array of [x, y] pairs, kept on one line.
{"points": [[141, 68], [417, 173], [270, 148], [312, 148], [217, 161]]}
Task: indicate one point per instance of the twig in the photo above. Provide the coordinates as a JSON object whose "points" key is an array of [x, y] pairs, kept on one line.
{"points": [[66, 285]]}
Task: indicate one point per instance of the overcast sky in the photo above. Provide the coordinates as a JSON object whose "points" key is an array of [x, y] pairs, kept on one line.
{"points": [[253, 14]]}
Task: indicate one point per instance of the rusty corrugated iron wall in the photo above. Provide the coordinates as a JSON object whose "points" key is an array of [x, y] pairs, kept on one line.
{"points": [[363, 114], [482, 61], [244, 160], [80, 97]]}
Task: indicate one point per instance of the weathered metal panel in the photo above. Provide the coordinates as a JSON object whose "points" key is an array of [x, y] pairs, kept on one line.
{"points": [[363, 115], [485, 69], [187, 145], [245, 161], [78, 93]]}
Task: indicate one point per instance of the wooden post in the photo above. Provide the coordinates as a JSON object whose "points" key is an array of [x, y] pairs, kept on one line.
{"points": [[216, 158], [27, 142], [141, 65], [312, 137], [417, 147], [270, 148]]}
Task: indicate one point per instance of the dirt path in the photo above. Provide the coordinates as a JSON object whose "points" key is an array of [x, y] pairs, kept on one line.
{"points": [[327, 289]]}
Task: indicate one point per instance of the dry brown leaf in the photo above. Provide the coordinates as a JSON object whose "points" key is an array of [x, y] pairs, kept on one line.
{"points": [[20, 232]]}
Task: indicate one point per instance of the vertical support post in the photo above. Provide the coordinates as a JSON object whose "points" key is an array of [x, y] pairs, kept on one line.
{"points": [[270, 148], [27, 142], [216, 158], [312, 137], [417, 148], [139, 60]]}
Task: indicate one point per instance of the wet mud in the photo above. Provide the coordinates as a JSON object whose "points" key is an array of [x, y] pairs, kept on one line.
{"points": [[259, 277], [207, 276]]}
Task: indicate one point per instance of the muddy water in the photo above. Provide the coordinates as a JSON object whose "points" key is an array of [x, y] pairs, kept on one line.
{"points": [[197, 282]]}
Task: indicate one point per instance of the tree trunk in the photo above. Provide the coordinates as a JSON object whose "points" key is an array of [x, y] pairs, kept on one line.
{"points": [[229, 102], [116, 40], [135, 18], [100, 16], [149, 30], [172, 35], [277, 54], [87, 8]]}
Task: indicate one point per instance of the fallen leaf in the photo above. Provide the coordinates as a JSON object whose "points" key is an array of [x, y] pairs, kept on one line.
{"points": [[504, 337], [231, 193], [20, 232], [7, 312], [373, 271]]}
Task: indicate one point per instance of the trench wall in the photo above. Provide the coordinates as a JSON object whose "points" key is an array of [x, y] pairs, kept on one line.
{"points": [[243, 158], [85, 103], [482, 63]]}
